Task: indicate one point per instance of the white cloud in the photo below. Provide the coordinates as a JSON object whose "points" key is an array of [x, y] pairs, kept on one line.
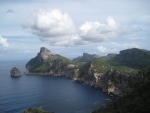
{"points": [[97, 32], [3, 42], [50, 23], [102, 49]]}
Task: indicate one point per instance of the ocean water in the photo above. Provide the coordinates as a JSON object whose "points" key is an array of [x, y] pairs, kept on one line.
{"points": [[57, 94]]}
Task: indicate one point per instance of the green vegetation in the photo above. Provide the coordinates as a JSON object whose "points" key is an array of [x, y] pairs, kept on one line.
{"points": [[137, 101], [35, 110], [42, 67]]}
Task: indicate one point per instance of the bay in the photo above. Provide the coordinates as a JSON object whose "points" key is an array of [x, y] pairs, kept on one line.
{"points": [[57, 94]]}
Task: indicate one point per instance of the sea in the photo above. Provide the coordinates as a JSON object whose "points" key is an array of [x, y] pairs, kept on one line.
{"points": [[55, 94]]}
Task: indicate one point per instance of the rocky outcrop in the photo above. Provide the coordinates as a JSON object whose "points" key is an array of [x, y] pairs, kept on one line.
{"points": [[87, 57], [41, 56], [15, 72]]}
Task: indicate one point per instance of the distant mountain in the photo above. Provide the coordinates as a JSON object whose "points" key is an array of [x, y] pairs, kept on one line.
{"points": [[87, 57], [108, 57]]}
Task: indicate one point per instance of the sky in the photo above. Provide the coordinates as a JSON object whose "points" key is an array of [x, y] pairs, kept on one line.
{"points": [[72, 27]]}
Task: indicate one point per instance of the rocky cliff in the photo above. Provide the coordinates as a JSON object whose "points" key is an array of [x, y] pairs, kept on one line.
{"points": [[107, 78], [15, 72], [118, 80], [137, 101]]}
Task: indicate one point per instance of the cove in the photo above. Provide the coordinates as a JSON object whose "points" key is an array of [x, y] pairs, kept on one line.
{"points": [[57, 94]]}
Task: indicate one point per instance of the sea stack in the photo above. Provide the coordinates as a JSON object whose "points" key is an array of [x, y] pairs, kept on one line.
{"points": [[15, 72]]}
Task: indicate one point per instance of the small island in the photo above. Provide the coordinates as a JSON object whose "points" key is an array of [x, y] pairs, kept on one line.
{"points": [[15, 72]]}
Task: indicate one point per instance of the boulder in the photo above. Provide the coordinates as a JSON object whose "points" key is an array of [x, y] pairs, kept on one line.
{"points": [[15, 72]]}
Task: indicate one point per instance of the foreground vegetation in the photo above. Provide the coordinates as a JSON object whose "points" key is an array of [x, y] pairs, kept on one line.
{"points": [[35, 110]]}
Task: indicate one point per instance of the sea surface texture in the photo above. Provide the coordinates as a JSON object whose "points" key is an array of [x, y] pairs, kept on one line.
{"points": [[57, 94]]}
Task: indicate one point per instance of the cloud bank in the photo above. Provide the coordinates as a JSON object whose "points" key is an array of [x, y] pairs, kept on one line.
{"points": [[57, 28]]}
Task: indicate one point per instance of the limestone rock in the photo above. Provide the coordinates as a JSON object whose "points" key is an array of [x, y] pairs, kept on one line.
{"points": [[15, 72]]}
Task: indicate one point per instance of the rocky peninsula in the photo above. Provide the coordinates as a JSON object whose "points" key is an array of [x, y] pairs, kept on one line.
{"points": [[110, 75]]}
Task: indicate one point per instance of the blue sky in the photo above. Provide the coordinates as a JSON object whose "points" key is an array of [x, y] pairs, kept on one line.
{"points": [[71, 27]]}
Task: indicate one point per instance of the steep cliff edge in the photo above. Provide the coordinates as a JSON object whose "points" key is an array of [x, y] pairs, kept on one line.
{"points": [[112, 79]]}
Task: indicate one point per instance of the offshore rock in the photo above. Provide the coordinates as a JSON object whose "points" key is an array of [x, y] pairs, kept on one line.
{"points": [[15, 72]]}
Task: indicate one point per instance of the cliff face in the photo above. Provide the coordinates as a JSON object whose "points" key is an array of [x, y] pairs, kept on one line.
{"points": [[110, 81], [116, 80]]}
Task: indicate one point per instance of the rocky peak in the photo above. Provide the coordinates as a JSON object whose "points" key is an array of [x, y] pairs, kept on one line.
{"points": [[44, 53], [44, 50]]}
